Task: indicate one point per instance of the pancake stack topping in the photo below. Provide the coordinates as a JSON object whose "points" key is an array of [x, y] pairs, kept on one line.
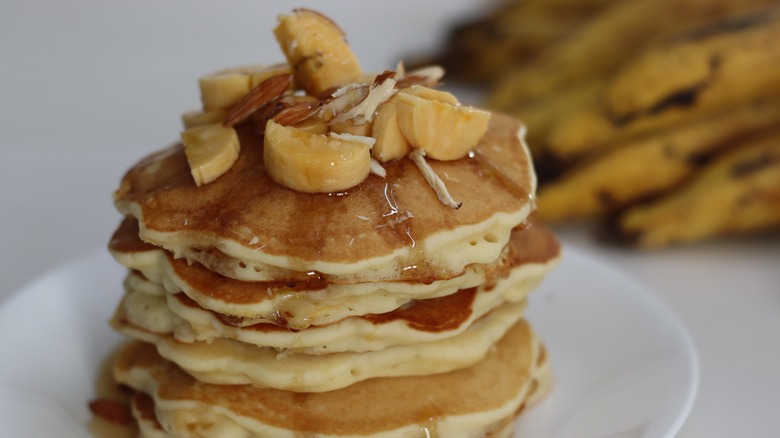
{"points": [[331, 253]]}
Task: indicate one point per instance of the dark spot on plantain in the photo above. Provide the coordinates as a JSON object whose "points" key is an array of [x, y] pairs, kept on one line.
{"points": [[610, 231], [754, 164], [724, 27], [679, 99], [715, 61], [670, 151], [682, 98], [605, 198], [699, 159]]}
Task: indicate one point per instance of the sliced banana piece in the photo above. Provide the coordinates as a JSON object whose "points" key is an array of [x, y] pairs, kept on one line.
{"points": [[435, 122], [316, 47], [192, 119], [390, 141], [211, 151], [223, 89], [315, 163]]}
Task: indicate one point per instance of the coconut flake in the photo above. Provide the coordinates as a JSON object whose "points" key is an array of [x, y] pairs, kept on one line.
{"points": [[433, 180], [377, 168]]}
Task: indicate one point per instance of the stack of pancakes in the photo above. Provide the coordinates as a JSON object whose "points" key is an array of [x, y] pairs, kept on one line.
{"points": [[261, 311]]}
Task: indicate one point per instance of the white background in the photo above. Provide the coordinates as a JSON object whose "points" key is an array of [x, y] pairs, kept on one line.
{"points": [[88, 87]]}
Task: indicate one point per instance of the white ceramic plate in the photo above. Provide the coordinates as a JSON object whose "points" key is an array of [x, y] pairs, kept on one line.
{"points": [[623, 364]]}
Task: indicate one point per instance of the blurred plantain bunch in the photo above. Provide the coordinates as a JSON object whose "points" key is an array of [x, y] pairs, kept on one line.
{"points": [[660, 117]]}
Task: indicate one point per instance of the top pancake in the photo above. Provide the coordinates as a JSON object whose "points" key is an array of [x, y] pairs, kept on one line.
{"points": [[374, 230]]}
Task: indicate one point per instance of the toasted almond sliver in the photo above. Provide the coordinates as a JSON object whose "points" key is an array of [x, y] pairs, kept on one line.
{"points": [[377, 169], [381, 90], [433, 180]]}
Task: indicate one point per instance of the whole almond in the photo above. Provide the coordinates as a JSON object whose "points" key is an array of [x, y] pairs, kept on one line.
{"points": [[296, 113], [264, 93]]}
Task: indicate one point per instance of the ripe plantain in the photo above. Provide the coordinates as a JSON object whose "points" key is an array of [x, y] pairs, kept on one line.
{"points": [[681, 80], [512, 33], [736, 194], [651, 165], [600, 46]]}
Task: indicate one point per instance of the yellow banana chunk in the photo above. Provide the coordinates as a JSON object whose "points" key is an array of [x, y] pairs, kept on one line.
{"points": [[318, 52], [258, 75], [211, 151], [738, 193], [192, 119], [315, 163], [314, 125], [634, 170], [223, 89], [350, 127], [390, 141], [433, 121], [690, 77]]}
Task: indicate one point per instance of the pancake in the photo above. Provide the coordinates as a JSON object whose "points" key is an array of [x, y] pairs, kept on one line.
{"points": [[387, 228], [299, 304], [226, 361], [416, 321], [384, 407], [391, 306]]}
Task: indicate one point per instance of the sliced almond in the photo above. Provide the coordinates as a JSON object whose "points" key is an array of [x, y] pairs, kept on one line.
{"points": [[342, 99], [265, 92], [433, 180], [380, 91], [427, 76], [296, 113]]}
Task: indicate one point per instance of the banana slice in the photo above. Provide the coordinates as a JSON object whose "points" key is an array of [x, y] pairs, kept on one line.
{"points": [[199, 118], [317, 48], [223, 89], [390, 141], [435, 122], [211, 151], [315, 163]]}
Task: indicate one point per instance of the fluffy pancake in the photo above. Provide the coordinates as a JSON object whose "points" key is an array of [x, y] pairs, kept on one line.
{"points": [[416, 321], [384, 229], [299, 304], [225, 361], [397, 406]]}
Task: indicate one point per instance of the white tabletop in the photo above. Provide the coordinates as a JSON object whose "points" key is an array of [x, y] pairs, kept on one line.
{"points": [[87, 88]]}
